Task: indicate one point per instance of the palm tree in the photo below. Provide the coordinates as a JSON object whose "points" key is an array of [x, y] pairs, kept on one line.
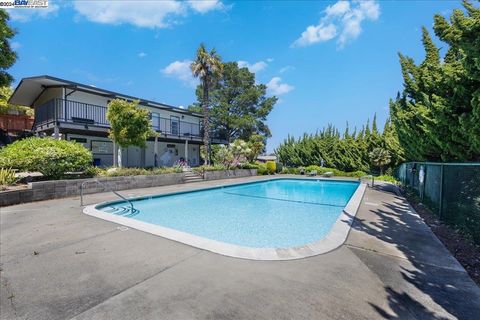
{"points": [[208, 67], [380, 158]]}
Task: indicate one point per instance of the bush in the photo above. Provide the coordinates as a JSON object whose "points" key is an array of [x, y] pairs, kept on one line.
{"points": [[7, 177], [249, 165], [120, 172], [386, 178], [49, 156], [93, 172], [279, 167], [271, 167], [262, 169], [323, 170], [216, 167]]}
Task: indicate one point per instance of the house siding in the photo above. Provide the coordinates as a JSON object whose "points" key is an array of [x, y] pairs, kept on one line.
{"points": [[101, 146]]}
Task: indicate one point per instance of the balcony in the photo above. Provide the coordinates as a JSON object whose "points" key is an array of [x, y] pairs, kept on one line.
{"points": [[84, 116]]}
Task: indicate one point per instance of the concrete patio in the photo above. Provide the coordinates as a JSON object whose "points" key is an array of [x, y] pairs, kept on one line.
{"points": [[58, 263]]}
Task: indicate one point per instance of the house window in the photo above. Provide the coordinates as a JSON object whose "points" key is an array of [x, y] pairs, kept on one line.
{"points": [[79, 140], [155, 121], [102, 147]]}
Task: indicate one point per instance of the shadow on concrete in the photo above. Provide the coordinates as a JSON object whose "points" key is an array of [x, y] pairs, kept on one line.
{"points": [[446, 285]]}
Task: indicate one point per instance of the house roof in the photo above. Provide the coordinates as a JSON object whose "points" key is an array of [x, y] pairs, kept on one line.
{"points": [[29, 89], [267, 158]]}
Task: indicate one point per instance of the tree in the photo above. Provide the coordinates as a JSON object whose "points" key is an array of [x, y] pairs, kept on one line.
{"points": [[208, 67], [129, 125], [256, 146], [239, 106], [380, 158], [7, 108], [232, 155], [7, 55], [437, 114], [346, 152]]}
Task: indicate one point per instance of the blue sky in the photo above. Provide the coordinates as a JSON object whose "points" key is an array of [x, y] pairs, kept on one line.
{"points": [[327, 61]]}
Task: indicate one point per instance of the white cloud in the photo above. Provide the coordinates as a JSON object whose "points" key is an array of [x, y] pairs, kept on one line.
{"points": [[342, 20], [142, 13], [276, 87], [181, 70], [315, 34], [339, 8], [142, 55], [269, 59], [286, 69], [254, 67], [204, 6], [27, 14], [15, 45]]}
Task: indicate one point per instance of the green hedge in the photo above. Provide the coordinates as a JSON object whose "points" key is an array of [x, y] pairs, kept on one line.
{"points": [[322, 170], [49, 156]]}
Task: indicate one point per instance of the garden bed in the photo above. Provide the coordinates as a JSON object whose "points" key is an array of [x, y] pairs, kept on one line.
{"points": [[465, 251]]}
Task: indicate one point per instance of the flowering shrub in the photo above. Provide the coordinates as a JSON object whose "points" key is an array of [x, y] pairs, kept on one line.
{"points": [[233, 155]]}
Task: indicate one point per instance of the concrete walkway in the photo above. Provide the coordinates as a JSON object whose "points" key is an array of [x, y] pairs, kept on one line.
{"points": [[58, 263]]}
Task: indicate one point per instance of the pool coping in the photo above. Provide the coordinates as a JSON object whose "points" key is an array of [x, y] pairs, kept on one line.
{"points": [[334, 239]]}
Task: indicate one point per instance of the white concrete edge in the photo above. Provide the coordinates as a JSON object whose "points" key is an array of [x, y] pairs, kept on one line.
{"points": [[334, 239]]}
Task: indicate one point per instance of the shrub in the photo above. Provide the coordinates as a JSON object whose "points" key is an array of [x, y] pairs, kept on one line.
{"points": [[93, 172], [279, 167], [386, 178], [49, 156], [216, 167], [262, 169], [323, 170], [249, 165], [119, 172], [7, 177], [271, 167]]}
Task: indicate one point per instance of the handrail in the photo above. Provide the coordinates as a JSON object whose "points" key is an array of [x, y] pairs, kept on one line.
{"points": [[370, 176], [104, 187]]}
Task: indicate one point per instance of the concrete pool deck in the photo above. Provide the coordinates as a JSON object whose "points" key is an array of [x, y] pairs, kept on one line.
{"points": [[58, 263]]}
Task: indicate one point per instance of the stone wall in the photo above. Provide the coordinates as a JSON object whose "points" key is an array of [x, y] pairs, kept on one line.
{"points": [[238, 173], [45, 190]]}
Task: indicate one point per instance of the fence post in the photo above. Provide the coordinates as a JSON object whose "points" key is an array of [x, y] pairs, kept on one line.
{"points": [[440, 206], [424, 182]]}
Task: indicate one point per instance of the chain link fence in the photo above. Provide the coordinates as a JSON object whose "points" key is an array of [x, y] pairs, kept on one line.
{"points": [[450, 190]]}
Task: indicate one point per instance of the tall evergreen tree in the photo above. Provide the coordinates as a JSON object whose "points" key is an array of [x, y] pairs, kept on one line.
{"points": [[7, 55], [238, 106], [437, 115], [347, 152]]}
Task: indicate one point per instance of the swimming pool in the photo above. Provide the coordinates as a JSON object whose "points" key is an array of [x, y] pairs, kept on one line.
{"points": [[259, 220]]}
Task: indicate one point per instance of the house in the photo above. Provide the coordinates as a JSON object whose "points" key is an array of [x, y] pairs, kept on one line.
{"points": [[265, 158], [73, 111]]}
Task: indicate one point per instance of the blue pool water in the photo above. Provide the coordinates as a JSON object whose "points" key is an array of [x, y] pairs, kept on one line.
{"points": [[270, 214]]}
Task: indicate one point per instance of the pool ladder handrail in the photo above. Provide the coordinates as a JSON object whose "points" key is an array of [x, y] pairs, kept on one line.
{"points": [[105, 186], [369, 177]]}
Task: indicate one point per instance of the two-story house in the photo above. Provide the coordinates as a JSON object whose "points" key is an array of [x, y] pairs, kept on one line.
{"points": [[73, 111]]}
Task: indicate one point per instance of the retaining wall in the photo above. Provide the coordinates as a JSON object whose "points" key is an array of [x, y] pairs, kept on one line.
{"points": [[45, 190], [238, 173]]}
